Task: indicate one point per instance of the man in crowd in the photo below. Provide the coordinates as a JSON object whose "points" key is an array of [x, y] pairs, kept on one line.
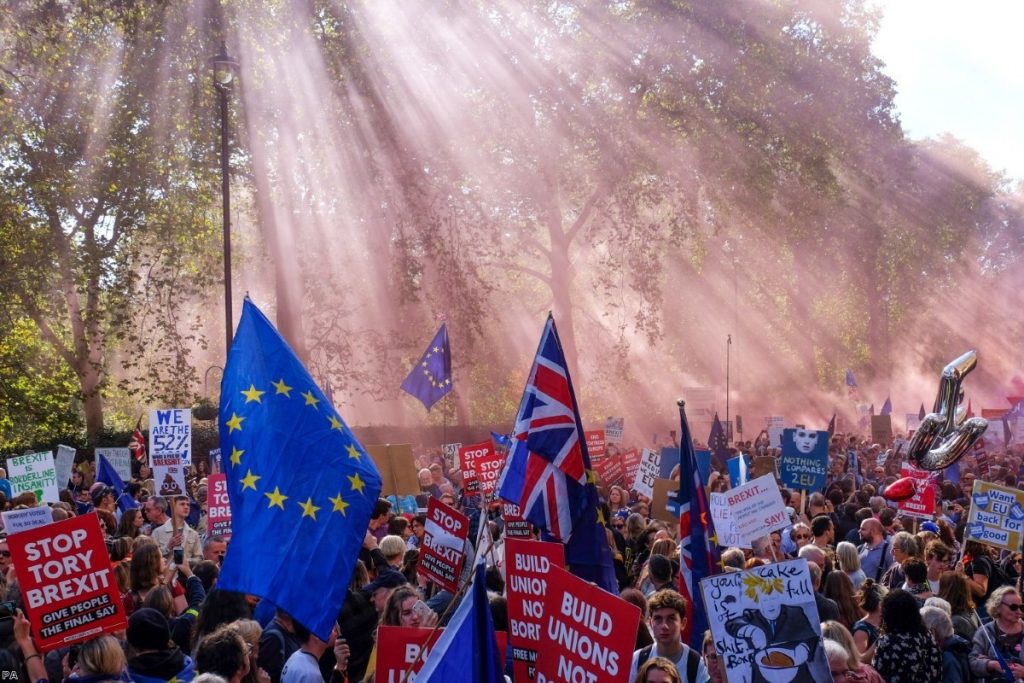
{"points": [[874, 551], [214, 549], [174, 532], [667, 617]]}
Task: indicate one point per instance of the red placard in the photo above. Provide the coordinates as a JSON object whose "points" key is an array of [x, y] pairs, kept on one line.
{"points": [[630, 466], [444, 545], [467, 455], [66, 581], [981, 456], [515, 525], [219, 511], [526, 566], [922, 504], [588, 634], [595, 442], [488, 471], [609, 469], [399, 648]]}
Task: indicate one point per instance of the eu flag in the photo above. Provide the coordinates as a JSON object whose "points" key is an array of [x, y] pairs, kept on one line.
{"points": [[430, 379], [718, 443], [850, 381], [106, 473], [301, 487], [887, 406]]}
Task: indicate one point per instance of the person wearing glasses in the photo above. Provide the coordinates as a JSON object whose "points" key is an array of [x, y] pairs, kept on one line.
{"points": [[712, 661], [999, 639]]}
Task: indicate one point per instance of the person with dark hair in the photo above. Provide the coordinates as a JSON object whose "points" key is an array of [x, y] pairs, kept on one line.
{"points": [[955, 589], [224, 653], [154, 656], [865, 631], [208, 572], [303, 665], [839, 589], [220, 607], [279, 641], [418, 526], [130, 524], [667, 618], [356, 622], [916, 580], [905, 652]]}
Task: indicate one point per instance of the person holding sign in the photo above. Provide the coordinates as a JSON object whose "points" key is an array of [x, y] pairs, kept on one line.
{"points": [[175, 534]]}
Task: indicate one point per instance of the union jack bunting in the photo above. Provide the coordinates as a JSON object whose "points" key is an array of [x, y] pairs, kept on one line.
{"points": [[698, 545]]}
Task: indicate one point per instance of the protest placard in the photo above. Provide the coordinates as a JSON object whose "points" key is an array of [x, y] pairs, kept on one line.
{"points": [[216, 466], [486, 464], [762, 465], [980, 452], [922, 503], [630, 466], [725, 527], [775, 436], [450, 452], [650, 469], [470, 483], [775, 422], [804, 462], [63, 464], [996, 515], [595, 442], [119, 458], [765, 623], [757, 508], [402, 650], [397, 468], [170, 437], [515, 525], [526, 566], [444, 545], [16, 521], [609, 468], [34, 473], [588, 634], [219, 507], [66, 581], [739, 469], [614, 427], [881, 429], [664, 506], [169, 480]]}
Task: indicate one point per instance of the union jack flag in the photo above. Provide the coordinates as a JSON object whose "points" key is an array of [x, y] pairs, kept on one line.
{"points": [[698, 544], [137, 445], [547, 472]]}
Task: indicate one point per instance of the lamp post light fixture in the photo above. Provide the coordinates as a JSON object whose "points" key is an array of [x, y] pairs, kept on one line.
{"points": [[224, 71]]}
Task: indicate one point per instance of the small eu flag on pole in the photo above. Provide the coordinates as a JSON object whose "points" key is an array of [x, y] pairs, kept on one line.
{"points": [[301, 487], [430, 379]]}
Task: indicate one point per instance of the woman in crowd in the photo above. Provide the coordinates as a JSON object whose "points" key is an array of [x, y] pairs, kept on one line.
{"points": [[834, 631], [618, 499], [100, 659], [999, 639], [866, 630], [712, 661], [955, 589], [955, 650], [905, 653], [130, 524], [849, 563], [838, 587], [657, 670], [936, 558]]}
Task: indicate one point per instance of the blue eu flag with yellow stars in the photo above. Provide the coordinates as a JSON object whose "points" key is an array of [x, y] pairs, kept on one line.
{"points": [[431, 378], [302, 489]]}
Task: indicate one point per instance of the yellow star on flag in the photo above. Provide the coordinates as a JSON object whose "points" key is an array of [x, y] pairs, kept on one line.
{"points": [[335, 423], [311, 400], [353, 452], [236, 455], [308, 509], [249, 481], [234, 423], [252, 394], [276, 498], [282, 388], [339, 505], [357, 483]]}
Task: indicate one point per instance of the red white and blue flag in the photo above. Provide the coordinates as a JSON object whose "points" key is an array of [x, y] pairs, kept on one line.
{"points": [[547, 472], [698, 544]]}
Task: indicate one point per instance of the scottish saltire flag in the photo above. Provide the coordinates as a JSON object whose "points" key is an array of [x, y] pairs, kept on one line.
{"points": [[430, 379], [718, 442], [301, 487], [106, 474], [698, 544], [547, 471], [467, 650], [886, 407]]}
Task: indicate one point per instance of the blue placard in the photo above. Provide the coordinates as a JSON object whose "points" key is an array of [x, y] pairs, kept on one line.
{"points": [[804, 464], [736, 475]]}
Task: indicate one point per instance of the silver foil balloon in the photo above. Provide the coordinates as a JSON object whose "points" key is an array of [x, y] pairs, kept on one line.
{"points": [[945, 435]]}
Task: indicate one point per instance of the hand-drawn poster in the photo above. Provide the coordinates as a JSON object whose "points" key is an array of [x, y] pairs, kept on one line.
{"points": [[765, 624]]}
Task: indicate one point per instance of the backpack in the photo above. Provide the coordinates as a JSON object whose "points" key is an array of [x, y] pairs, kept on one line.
{"points": [[692, 661]]}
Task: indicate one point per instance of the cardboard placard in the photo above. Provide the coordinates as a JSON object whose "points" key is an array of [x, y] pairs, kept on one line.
{"points": [[399, 648], [664, 506], [881, 429], [588, 634], [16, 521], [119, 458], [762, 612], [922, 504], [996, 516], [762, 465], [444, 545], [218, 509], [515, 525], [397, 469], [34, 473], [650, 469], [609, 468], [630, 465], [527, 564], [170, 437], [614, 427], [63, 464], [804, 463], [725, 527], [757, 508], [66, 581]]}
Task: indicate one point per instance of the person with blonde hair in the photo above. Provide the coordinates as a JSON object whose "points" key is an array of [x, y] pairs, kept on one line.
{"points": [[849, 563], [1001, 639], [836, 632]]}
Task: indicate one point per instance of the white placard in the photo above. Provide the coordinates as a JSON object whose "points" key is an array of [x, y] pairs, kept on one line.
{"points": [[776, 421], [725, 527], [169, 480], [29, 518], [119, 458], [648, 472], [170, 437], [775, 436], [757, 508], [34, 473], [64, 463]]}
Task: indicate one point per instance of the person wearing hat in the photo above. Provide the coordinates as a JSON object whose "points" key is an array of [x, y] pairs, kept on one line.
{"points": [[380, 588], [154, 656], [104, 500]]}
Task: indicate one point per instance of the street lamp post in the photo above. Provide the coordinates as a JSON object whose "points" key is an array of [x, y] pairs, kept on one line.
{"points": [[224, 69]]}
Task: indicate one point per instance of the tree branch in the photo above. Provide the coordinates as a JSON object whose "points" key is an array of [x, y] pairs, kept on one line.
{"points": [[530, 271], [585, 212]]}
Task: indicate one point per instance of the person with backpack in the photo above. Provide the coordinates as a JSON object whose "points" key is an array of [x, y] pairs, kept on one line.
{"points": [[666, 611], [277, 643]]}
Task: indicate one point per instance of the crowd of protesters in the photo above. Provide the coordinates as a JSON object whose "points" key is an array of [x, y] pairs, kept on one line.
{"points": [[900, 599]]}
